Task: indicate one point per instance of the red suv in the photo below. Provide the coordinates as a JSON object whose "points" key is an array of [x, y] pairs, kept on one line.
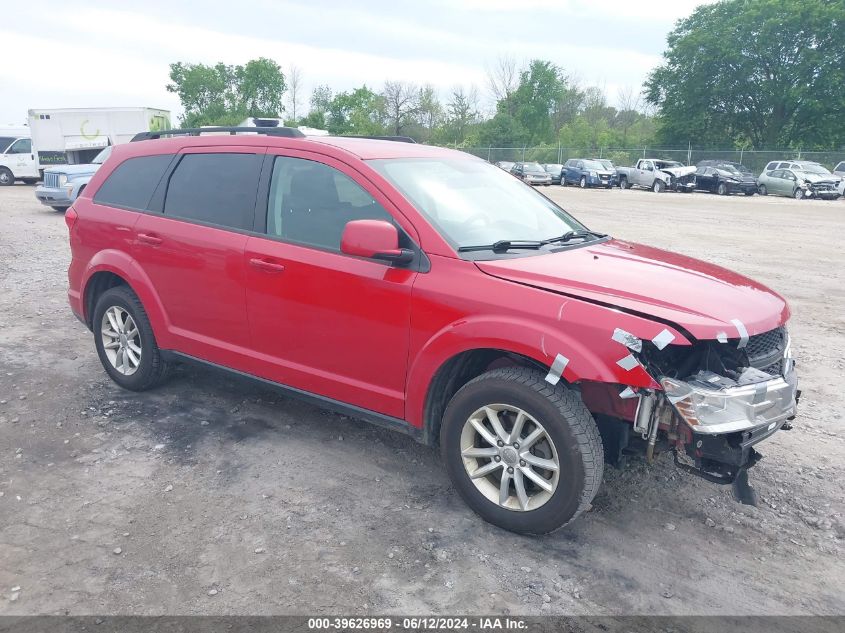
{"points": [[430, 292]]}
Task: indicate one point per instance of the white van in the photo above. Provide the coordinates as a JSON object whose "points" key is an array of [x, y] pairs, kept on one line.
{"points": [[17, 158]]}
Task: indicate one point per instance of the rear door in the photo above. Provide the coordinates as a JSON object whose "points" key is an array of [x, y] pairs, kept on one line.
{"points": [[323, 321], [191, 246]]}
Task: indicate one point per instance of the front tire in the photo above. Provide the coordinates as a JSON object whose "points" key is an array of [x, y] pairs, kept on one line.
{"points": [[658, 186], [526, 456], [125, 341], [798, 194], [763, 191], [722, 189], [7, 178], [623, 183], [583, 182]]}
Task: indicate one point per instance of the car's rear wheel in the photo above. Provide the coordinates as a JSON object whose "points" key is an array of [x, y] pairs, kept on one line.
{"points": [[125, 341], [763, 191], [7, 178], [60, 209], [658, 186], [583, 182], [525, 455], [722, 189], [749, 193]]}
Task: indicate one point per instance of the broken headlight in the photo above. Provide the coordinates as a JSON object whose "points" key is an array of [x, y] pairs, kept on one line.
{"points": [[714, 404]]}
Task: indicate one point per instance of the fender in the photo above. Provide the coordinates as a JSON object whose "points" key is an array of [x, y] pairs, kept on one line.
{"points": [[541, 341], [124, 266]]}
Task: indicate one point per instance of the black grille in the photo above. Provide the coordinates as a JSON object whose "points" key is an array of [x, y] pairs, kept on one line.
{"points": [[766, 343]]}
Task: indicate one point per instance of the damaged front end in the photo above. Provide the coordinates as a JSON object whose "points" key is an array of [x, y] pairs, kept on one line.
{"points": [[719, 400]]}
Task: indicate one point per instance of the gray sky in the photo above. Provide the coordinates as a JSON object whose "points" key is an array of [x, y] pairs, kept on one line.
{"points": [[67, 53]]}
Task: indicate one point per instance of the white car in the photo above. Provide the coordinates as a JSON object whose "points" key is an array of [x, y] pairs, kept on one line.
{"points": [[17, 160], [839, 170]]}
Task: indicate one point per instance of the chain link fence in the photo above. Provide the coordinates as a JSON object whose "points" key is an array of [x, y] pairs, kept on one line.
{"points": [[755, 160]]}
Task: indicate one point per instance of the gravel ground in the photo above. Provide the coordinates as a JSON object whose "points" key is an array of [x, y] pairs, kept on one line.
{"points": [[211, 496]]}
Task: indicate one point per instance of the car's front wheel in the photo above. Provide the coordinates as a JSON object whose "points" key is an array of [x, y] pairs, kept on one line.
{"points": [[722, 189], [125, 341], [762, 190], [525, 455], [7, 178], [798, 194], [623, 183], [658, 186], [583, 182]]}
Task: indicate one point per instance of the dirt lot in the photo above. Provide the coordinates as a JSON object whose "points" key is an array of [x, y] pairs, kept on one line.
{"points": [[208, 496]]}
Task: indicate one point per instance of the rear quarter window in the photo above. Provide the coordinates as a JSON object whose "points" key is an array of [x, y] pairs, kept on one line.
{"points": [[132, 183]]}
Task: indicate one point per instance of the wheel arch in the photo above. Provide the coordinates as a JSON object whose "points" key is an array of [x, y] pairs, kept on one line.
{"points": [[108, 269]]}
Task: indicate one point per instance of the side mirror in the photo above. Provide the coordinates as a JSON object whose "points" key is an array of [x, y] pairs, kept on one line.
{"points": [[374, 239]]}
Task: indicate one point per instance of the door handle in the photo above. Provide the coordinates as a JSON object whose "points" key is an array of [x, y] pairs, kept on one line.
{"points": [[266, 266], [150, 240]]}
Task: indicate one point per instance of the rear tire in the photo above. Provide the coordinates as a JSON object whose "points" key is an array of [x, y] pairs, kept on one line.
{"points": [[569, 439], [151, 369], [749, 193], [59, 209], [7, 178]]}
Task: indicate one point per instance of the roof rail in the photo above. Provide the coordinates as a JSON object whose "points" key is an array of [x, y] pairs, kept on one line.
{"points": [[288, 132], [398, 139]]}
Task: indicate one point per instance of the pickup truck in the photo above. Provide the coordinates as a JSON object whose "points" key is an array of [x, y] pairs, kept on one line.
{"points": [[658, 175]]}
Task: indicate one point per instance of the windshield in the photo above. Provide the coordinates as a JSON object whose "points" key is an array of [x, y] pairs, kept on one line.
{"points": [[553, 169], [5, 141], [532, 167], [663, 164], [812, 168], [471, 202], [100, 158], [605, 163], [593, 164]]}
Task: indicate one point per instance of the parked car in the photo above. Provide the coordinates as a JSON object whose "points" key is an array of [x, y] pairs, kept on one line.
{"points": [[505, 164], [799, 184], [62, 184], [17, 160], [555, 171], [839, 170], [609, 166], [426, 291], [658, 175], [532, 174], [725, 177], [586, 173]]}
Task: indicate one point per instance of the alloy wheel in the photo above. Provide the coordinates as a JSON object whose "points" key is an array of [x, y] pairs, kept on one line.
{"points": [[509, 457], [121, 340]]}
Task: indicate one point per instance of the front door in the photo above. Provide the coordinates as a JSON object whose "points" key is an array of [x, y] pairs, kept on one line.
{"points": [[21, 159], [322, 321]]}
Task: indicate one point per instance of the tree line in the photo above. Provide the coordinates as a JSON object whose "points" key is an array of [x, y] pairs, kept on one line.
{"points": [[752, 74]]}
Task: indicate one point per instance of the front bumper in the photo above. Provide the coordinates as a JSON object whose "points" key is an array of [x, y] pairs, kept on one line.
{"points": [[54, 196], [536, 180]]}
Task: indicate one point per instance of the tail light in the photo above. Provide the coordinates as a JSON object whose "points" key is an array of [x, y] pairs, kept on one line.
{"points": [[70, 217]]}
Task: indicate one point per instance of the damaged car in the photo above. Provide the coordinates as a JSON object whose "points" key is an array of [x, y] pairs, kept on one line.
{"points": [[799, 180], [724, 178], [428, 292], [657, 175]]}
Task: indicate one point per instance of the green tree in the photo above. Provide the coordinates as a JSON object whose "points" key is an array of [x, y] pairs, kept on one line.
{"points": [[225, 95], [541, 87], [358, 112], [764, 72]]}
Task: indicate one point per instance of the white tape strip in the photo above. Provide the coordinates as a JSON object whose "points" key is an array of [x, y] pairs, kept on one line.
{"points": [[663, 339], [628, 363], [743, 333], [627, 339], [557, 368], [722, 337], [627, 392]]}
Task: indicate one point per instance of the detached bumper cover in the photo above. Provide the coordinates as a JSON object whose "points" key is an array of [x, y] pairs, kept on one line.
{"points": [[53, 196]]}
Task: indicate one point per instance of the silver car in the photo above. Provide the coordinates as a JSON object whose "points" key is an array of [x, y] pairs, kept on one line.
{"points": [[63, 183], [799, 180]]}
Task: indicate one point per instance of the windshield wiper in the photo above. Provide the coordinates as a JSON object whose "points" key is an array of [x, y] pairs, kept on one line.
{"points": [[571, 235], [505, 245], [502, 245]]}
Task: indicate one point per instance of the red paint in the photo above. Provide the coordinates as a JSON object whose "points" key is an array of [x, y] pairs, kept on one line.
{"points": [[373, 335]]}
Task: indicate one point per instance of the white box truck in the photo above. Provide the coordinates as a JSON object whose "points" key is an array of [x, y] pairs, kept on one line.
{"points": [[76, 135]]}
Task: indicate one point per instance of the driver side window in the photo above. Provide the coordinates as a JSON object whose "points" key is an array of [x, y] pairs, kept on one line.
{"points": [[21, 146], [310, 203]]}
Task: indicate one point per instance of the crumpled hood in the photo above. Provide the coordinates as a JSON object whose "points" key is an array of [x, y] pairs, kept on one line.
{"points": [[814, 178], [73, 170], [680, 172], [702, 298]]}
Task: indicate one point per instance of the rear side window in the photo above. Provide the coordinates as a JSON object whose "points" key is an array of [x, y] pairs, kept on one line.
{"points": [[215, 188], [132, 183]]}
